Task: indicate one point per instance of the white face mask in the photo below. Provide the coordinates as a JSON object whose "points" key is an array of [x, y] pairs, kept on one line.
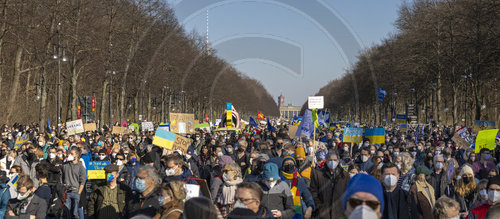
{"points": [[239, 204], [220, 154], [484, 194], [52, 155], [70, 158], [332, 164], [188, 156], [59, 155], [271, 184], [419, 147], [41, 143], [226, 177], [230, 150], [364, 158], [390, 180], [119, 162], [22, 197], [170, 172], [372, 152], [363, 211], [413, 153], [473, 159], [101, 157], [396, 153], [494, 196]]}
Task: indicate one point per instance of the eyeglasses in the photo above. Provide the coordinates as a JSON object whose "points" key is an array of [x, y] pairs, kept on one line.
{"points": [[245, 200], [226, 171], [354, 202]]}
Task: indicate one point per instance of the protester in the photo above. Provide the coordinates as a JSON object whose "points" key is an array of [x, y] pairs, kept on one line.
{"points": [[446, 208], [27, 204], [439, 178], [145, 202], [399, 203], [172, 196], [277, 195], [74, 176], [423, 193], [363, 196], [300, 193], [493, 187], [249, 196], [4, 193], [199, 208], [225, 197]]}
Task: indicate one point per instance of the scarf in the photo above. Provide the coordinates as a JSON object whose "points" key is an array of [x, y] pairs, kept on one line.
{"points": [[229, 191], [430, 195], [294, 189]]}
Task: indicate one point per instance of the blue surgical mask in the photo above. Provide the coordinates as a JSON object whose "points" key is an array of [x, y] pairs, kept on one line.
{"points": [[133, 160], [161, 200], [110, 177], [140, 185]]}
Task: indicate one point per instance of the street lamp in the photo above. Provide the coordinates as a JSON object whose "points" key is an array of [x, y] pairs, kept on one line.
{"points": [[59, 55]]}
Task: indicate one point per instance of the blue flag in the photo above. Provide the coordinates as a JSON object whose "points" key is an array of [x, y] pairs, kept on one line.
{"points": [[252, 122], [381, 93], [269, 126], [416, 133], [306, 127], [48, 126]]}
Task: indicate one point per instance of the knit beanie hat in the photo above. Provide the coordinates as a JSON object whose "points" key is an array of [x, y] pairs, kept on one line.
{"points": [[466, 169], [288, 158], [300, 153], [493, 180], [271, 171], [363, 182]]}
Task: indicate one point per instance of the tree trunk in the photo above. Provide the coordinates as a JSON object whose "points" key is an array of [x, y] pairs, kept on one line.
{"points": [[102, 112], [15, 83], [455, 107], [149, 106], [43, 100], [136, 107], [74, 96]]}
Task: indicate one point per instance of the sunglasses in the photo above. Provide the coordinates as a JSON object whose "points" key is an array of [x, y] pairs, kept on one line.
{"points": [[354, 202]]}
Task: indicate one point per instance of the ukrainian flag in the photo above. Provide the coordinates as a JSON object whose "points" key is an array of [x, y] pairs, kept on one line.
{"points": [[164, 139], [376, 135]]}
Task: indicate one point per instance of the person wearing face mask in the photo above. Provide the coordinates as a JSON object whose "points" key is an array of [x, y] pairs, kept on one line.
{"points": [[74, 177], [191, 162], [42, 143], [27, 204], [399, 203], [363, 197], [242, 157], [11, 141], [27, 161], [482, 194], [484, 165], [423, 193], [171, 199], [298, 187], [363, 160], [304, 164], [465, 190], [4, 193], [145, 201], [176, 169], [123, 173], [109, 200], [328, 185], [446, 208], [493, 191], [257, 168], [439, 179], [231, 177], [248, 198], [277, 196], [407, 176], [101, 156]]}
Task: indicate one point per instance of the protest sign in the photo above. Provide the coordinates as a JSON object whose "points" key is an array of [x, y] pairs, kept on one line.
{"points": [[464, 134], [292, 130], [75, 127], [171, 141], [315, 102], [376, 135], [135, 125], [90, 127], [403, 127], [20, 140], [192, 191], [353, 135], [119, 130], [165, 127], [401, 118], [486, 139], [182, 123], [461, 143], [95, 169], [483, 125], [147, 126], [203, 126]]}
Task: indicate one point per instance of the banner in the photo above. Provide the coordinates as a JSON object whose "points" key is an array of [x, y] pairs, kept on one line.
{"points": [[119, 130], [75, 127], [147, 126], [353, 135], [400, 118], [292, 130], [464, 133], [461, 143], [182, 123], [95, 169], [483, 125], [90, 127], [486, 139], [376, 135], [203, 126], [171, 141], [21, 140]]}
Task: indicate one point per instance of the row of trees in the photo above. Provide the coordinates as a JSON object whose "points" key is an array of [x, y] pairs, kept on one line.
{"points": [[134, 49], [444, 58]]}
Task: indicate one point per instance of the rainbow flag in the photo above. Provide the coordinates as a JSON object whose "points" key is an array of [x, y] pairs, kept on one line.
{"points": [[164, 139], [376, 135]]}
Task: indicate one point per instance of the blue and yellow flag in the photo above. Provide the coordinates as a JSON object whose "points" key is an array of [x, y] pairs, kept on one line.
{"points": [[376, 135], [164, 139]]}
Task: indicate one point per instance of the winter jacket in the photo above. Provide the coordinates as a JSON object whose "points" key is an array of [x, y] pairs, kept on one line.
{"points": [[97, 197], [37, 207], [403, 201], [146, 205], [171, 210], [434, 182], [327, 191], [28, 167], [4, 199], [132, 169], [278, 198]]}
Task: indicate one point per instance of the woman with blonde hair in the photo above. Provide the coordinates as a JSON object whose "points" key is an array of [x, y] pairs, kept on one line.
{"points": [[446, 208], [407, 177], [171, 200], [225, 197], [466, 189]]}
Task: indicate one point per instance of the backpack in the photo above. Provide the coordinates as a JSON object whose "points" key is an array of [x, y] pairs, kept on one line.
{"points": [[57, 199]]}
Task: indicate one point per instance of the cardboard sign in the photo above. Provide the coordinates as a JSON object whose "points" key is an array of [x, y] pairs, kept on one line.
{"points": [[353, 135], [21, 140], [182, 123], [315, 102], [75, 127], [119, 130], [95, 169], [483, 125], [90, 127], [147, 126], [171, 141], [461, 143], [292, 130], [464, 134], [192, 191], [486, 139]]}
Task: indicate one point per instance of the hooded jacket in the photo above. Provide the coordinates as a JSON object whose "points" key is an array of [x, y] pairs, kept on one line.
{"points": [[278, 198]]}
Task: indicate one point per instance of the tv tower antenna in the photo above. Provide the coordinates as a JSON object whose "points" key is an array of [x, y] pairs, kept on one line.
{"points": [[207, 43]]}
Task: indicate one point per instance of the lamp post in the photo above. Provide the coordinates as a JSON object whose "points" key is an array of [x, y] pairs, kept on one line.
{"points": [[59, 55], [110, 106]]}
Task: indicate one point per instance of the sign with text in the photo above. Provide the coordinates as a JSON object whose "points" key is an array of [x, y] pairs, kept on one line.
{"points": [[75, 127], [401, 118], [182, 123], [147, 126], [461, 143], [315, 102], [119, 130], [483, 125], [486, 139], [464, 133], [353, 135], [95, 169], [171, 141]]}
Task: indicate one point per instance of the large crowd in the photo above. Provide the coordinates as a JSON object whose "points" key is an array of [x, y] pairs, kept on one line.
{"points": [[257, 172]]}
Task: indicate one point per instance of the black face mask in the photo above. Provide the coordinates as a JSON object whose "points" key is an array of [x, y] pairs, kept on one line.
{"points": [[467, 180], [260, 167], [31, 157], [289, 168], [300, 162]]}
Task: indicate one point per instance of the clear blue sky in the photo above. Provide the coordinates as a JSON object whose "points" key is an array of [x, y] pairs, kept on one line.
{"points": [[285, 48]]}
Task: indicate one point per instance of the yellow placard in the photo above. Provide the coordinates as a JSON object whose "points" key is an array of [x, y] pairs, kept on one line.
{"points": [[485, 139], [96, 174]]}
